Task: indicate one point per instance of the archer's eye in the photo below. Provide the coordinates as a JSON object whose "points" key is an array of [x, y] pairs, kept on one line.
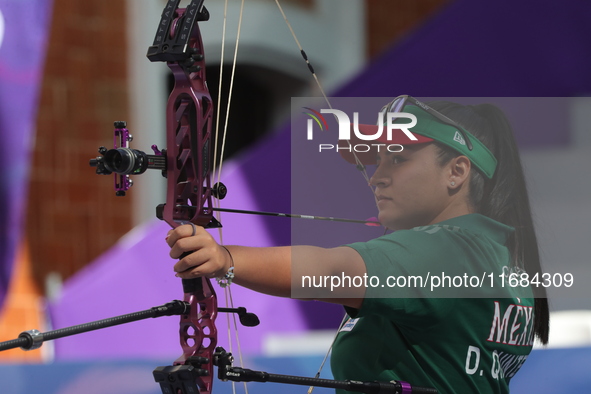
{"points": [[397, 159]]}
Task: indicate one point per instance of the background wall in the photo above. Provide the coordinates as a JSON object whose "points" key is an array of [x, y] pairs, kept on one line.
{"points": [[72, 215]]}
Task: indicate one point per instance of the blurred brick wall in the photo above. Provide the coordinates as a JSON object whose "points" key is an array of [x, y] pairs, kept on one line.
{"points": [[73, 215]]}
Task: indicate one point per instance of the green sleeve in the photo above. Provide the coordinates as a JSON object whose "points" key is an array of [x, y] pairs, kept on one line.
{"points": [[410, 257]]}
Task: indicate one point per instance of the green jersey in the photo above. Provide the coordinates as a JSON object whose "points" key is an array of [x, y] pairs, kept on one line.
{"points": [[456, 345]]}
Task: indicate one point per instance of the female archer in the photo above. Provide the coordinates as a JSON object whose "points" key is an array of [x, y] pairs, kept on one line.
{"points": [[457, 200]]}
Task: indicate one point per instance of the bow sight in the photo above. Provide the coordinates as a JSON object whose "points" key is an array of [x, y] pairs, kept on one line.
{"points": [[124, 161]]}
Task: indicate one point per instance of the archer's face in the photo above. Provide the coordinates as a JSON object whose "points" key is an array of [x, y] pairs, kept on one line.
{"points": [[411, 187]]}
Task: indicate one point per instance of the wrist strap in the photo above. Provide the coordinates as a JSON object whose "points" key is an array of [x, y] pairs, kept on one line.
{"points": [[226, 280]]}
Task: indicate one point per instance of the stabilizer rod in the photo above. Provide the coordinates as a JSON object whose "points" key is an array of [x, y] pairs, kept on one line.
{"points": [[33, 339], [226, 371]]}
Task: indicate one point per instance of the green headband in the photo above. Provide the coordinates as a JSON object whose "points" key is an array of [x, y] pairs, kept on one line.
{"points": [[429, 126]]}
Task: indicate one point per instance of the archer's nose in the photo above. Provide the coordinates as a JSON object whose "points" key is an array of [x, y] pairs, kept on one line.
{"points": [[379, 179]]}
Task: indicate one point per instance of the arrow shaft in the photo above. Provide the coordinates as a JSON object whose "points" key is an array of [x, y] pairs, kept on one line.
{"points": [[292, 215]]}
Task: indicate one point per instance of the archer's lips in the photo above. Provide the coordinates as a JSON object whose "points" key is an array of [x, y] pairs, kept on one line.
{"points": [[381, 200]]}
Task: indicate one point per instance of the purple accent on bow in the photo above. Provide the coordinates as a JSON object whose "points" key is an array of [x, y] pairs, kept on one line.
{"points": [[406, 388]]}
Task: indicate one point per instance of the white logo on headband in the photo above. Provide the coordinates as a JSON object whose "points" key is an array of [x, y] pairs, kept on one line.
{"points": [[458, 138]]}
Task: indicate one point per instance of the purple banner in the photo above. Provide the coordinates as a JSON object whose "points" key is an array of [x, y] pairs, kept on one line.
{"points": [[23, 37]]}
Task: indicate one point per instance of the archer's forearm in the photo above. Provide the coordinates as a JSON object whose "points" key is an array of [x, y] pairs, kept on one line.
{"points": [[265, 270], [271, 270]]}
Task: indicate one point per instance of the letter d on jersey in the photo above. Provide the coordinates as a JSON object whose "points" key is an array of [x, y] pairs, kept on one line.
{"points": [[472, 360]]}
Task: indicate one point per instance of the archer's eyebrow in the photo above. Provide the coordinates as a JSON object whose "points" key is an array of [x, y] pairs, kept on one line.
{"points": [[383, 154], [407, 149], [387, 153]]}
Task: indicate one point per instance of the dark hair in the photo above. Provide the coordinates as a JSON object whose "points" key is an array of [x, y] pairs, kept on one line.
{"points": [[503, 198]]}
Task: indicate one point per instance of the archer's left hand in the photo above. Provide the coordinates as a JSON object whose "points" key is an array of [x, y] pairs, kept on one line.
{"points": [[200, 254]]}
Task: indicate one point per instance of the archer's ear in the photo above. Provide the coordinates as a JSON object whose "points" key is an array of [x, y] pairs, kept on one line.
{"points": [[459, 171]]}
